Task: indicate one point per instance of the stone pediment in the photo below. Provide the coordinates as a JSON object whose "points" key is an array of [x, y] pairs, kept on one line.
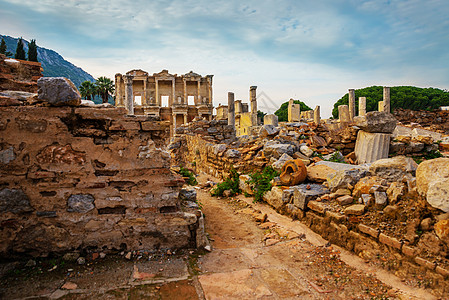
{"points": [[191, 74], [137, 73], [164, 74]]}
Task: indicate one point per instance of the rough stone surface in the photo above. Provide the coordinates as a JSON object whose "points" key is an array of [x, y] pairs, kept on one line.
{"points": [[342, 179], [268, 130], [319, 173], [430, 171], [303, 193], [376, 121], [370, 146], [7, 155], [355, 210], [58, 91], [80, 203], [393, 169], [438, 194], [276, 150], [15, 201], [306, 151], [232, 153], [187, 194], [281, 161]]}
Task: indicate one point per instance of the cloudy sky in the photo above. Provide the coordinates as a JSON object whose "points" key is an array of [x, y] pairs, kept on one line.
{"points": [[309, 50]]}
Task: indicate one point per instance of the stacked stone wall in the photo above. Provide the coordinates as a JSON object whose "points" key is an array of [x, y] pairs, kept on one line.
{"points": [[19, 75], [437, 120], [77, 178]]}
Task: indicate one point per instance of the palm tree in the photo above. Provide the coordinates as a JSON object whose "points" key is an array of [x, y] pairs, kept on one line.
{"points": [[87, 89], [105, 87]]}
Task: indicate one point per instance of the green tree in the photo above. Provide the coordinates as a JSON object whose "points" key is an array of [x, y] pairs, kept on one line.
{"points": [[32, 51], [410, 97], [282, 112], [3, 46], [20, 53], [105, 87], [87, 90]]}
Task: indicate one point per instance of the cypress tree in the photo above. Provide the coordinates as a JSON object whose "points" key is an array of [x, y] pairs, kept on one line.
{"points": [[32, 51], [20, 53], [3, 47]]}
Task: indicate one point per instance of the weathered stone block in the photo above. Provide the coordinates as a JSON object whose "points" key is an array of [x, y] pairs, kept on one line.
{"points": [[58, 91], [15, 201], [375, 121], [390, 241], [355, 210], [369, 230], [393, 169], [7, 155], [80, 203], [370, 147], [302, 194]]}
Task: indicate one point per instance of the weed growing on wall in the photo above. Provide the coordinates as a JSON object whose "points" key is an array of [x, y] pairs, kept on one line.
{"points": [[188, 174], [260, 182], [231, 183]]}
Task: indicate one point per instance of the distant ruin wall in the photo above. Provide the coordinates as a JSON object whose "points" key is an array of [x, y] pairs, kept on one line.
{"points": [[437, 120], [77, 178], [19, 75]]}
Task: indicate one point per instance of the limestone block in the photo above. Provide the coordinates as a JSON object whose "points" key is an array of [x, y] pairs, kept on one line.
{"points": [[80, 203], [376, 121], [343, 114], [244, 186], [370, 147], [306, 150], [364, 185], [400, 130], [319, 173], [7, 155], [276, 150], [306, 192], [362, 106], [187, 194], [442, 230], [416, 132], [58, 91], [232, 153], [268, 130], [274, 197], [342, 179], [438, 194], [393, 169], [271, 119], [15, 201], [355, 210], [281, 161]]}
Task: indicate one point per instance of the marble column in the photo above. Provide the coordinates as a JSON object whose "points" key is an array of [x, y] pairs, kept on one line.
{"points": [[381, 106], [185, 118], [343, 114], [317, 115], [129, 97], [351, 103], [186, 101], [118, 91], [387, 106], [198, 97], [158, 100], [252, 97], [174, 122], [362, 106], [231, 109], [173, 101], [144, 100]]}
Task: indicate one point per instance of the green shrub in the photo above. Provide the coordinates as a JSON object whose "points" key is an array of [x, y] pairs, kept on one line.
{"points": [[186, 173], [261, 182], [231, 183]]}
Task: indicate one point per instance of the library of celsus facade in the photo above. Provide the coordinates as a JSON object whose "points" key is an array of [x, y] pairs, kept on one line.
{"points": [[178, 99]]}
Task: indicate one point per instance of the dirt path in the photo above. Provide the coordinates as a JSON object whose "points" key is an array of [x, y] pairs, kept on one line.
{"points": [[283, 259]]}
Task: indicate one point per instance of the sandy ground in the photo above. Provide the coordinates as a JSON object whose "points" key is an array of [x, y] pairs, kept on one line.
{"points": [[276, 259]]}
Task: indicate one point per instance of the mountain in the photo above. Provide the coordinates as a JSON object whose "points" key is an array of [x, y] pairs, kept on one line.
{"points": [[410, 97], [54, 65]]}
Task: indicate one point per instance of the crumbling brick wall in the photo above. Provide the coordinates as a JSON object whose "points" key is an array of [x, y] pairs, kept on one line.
{"points": [[81, 177], [437, 120], [19, 75]]}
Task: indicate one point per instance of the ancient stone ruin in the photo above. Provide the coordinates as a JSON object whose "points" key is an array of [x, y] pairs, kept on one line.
{"points": [[178, 99]]}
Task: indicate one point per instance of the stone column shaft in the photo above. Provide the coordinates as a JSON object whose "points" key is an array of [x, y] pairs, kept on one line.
{"points": [[185, 92], [173, 93], [362, 106], [231, 109], [185, 118], [351, 103], [381, 106], [158, 101], [252, 97], [343, 114], [317, 115], [386, 99], [370, 147], [129, 97]]}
